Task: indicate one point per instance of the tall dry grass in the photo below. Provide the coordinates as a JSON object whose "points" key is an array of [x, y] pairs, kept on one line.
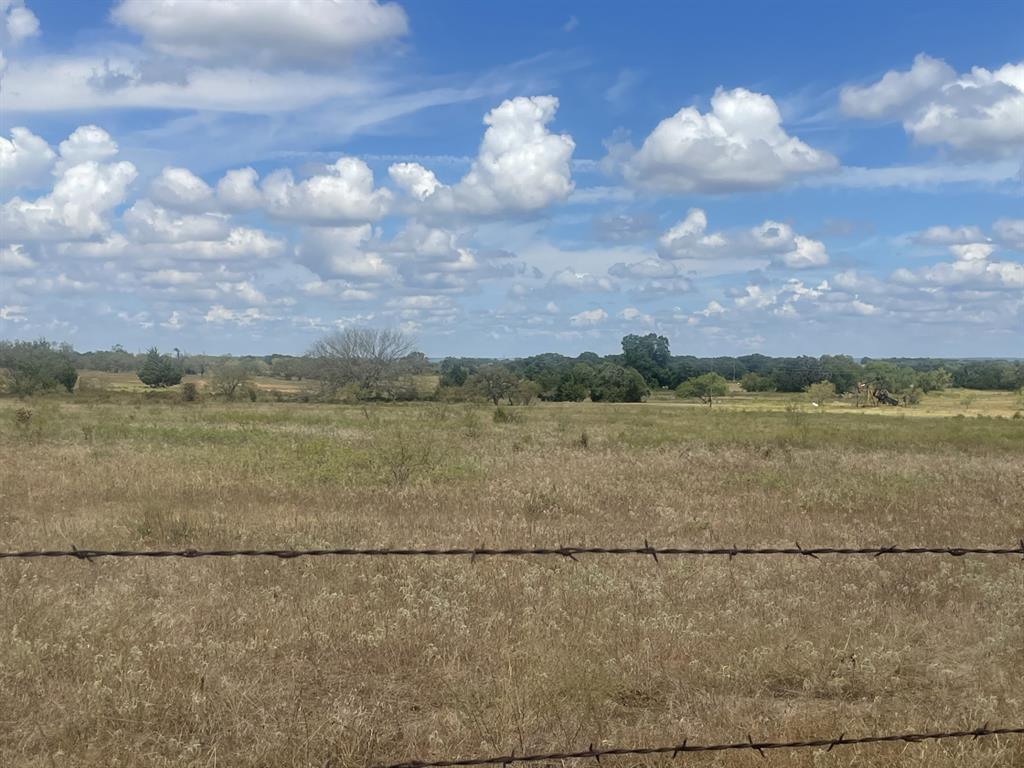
{"points": [[359, 662]]}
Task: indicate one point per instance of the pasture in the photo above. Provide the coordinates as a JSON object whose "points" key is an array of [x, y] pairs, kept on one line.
{"points": [[357, 662]]}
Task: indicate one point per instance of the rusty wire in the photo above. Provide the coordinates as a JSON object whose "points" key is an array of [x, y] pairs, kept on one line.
{"points": [[685, 746], [474, 552]]}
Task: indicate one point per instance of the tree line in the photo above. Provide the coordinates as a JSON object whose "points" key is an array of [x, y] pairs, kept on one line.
{"points": [[367, 363]]}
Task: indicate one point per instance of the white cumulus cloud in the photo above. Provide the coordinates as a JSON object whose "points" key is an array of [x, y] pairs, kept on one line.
{"points": [[181, 189], [521, 165], [980, 112], [740, 144], [25, 159], [342, 193]]}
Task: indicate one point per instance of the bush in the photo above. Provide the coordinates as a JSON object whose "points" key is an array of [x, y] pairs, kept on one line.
{"points": [[37, 366], [821, 394], [189, 392], [230, 379], [755, 382], [526, 392]]}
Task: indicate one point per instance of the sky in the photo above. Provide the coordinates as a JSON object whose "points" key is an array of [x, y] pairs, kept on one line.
{"points": [[504, 179]]}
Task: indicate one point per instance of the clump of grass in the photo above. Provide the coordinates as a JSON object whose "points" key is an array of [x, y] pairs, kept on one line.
{"points": [[189, 392], [508, 416]]}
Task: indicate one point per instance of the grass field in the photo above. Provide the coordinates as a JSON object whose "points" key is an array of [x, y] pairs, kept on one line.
{"points": [[355, 662]]}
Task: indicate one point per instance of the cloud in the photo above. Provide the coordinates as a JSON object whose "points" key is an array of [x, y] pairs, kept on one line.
{"points": [[980, 112], [87, 142], [572, 280], [619, 91], [77, 208], [146, 222], [632, 314], [218, 314], [342, 193], [972, 252], [25, 159], [237, 190], [622, 227], [891, 95], [344, 252], [740, 144], [19, 23], [521, 166], [805, 253], [14, 259], [1010, 233], [67, 83], [945, 235], [919, 176], [268, 32], [687, 239], [12, 313], [181, 189], [690, 242], [588, 318]]}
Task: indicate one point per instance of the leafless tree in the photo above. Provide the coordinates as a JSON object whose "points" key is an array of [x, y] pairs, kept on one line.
{"points": [[369, 358], [230, 379]]}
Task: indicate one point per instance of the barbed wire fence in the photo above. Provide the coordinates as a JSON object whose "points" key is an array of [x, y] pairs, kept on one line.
{"points": [[568, 552], [677, 749], [572, 553]]}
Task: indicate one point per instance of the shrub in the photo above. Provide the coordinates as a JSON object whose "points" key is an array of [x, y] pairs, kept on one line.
{"points": [[230, 379], [526, 392], [37, 366], [508, 416], [189, 392], [755, 382], [821, 394]]}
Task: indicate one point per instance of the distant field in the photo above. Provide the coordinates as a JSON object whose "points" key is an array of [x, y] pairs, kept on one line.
{"points": [[349, 662]]}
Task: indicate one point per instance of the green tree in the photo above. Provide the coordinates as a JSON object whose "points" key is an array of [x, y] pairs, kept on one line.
{"points": [[755, 382], [888, 376], [617, 384], [37, 366], [650, 356], [574, 384], [159, 370], [842, 371], [932, 381], [494, 382], [705, 387], [821, 393]]}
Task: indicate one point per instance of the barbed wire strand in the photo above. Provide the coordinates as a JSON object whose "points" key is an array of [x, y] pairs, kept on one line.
{"points": [[476, 552], [685, 746]]}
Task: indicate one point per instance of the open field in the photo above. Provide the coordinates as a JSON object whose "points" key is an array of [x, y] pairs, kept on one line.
{"points": [[354, 662]]}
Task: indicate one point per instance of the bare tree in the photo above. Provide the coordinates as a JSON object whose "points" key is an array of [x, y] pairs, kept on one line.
{"points": [[369, 358], [230, 379]]}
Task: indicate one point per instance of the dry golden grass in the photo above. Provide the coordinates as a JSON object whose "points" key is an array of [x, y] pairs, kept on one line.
{"points": [[364, 661]]}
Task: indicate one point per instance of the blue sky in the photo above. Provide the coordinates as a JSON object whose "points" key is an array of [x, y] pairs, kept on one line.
{"points": [[506, 179]]}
